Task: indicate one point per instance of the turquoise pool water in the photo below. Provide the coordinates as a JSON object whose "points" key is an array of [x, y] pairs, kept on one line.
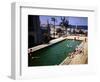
{"points": [[54, 54]]}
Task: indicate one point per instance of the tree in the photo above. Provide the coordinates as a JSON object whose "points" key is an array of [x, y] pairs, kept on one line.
{"points": [[54, 20], [59, 32], [64, 23], [48, 27]]}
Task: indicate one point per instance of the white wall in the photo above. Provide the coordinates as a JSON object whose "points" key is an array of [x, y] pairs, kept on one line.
{"points": [[5, 35]]}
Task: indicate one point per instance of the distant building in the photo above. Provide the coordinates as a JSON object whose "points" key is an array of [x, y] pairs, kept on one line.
{"points": [[78, 29]]}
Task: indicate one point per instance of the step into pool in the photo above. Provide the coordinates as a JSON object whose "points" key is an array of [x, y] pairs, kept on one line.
{"points": [[54, 54]]}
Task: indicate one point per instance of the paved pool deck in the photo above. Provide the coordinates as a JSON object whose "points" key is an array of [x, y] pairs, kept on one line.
{"points": [[78, 58]]}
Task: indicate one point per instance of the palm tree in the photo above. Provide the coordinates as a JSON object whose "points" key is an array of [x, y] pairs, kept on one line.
{"points": [[48, 27], [54, 20], [64, 23]]}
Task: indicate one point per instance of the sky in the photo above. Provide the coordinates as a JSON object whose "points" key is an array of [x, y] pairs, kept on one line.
{"points": [[72, 20]]}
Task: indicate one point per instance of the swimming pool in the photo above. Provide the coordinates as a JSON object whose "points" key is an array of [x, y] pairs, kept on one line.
{"points": [[54, 54]]}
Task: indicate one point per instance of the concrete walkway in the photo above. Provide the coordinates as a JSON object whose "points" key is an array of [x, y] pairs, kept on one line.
{"points": [[80, 58], [46, 45]]}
